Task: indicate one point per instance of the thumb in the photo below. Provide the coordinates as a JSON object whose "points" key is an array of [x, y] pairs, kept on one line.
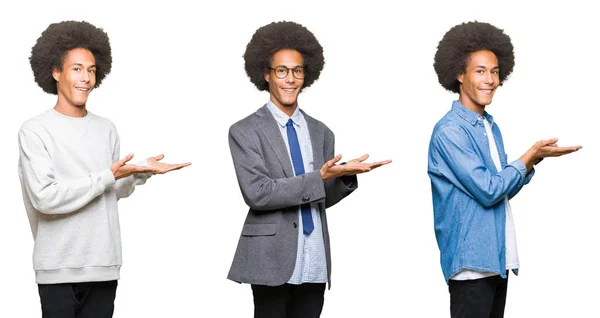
{"points": [[126, 158]]}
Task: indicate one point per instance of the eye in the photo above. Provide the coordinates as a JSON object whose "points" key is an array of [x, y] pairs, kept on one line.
{"points": [[92, 71], [281, 71], [495, 72], [479, 71], [299, 70], [76, 68]]}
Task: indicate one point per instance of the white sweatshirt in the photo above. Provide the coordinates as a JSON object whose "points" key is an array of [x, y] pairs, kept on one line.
{"points": [[70, 196]]}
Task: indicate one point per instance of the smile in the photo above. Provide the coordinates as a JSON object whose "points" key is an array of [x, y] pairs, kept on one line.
{"points": [[288, 90]]}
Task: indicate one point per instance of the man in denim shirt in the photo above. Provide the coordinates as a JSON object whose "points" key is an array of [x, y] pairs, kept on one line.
{"points": [[471, 180]]}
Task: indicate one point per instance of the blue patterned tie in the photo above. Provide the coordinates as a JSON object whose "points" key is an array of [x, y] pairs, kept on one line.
{"points": [[307, 222]]}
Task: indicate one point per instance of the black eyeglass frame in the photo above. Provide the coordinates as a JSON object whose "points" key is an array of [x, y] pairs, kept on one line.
{"points": [[287, 71]]}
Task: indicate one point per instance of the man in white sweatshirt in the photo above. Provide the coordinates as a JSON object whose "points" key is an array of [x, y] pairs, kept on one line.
{"points": [[71, 176]]}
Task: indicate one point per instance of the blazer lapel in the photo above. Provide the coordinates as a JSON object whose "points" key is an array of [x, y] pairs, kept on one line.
{"points": [[270, 129]]}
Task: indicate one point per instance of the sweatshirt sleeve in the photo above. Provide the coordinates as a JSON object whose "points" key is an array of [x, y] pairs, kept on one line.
{"points": [[126, 186], [51, 196]]}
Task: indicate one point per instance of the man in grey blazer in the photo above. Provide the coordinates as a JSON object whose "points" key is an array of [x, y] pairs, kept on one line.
{"points": [[288, 174]]}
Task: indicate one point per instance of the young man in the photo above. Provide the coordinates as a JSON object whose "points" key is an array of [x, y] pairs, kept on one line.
{"points": [[288, 175], [71, 176], [471, 180]]}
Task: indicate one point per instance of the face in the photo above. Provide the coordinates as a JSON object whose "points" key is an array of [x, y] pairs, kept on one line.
{"points": [[284, 91], [479, 81], [77, 78]]}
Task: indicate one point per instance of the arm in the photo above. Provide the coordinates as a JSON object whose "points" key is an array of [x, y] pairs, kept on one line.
{"points": [[528, 178], [340, 179], [126, 185], [540, 150], [259, 189], [543, 149], [146, 169], [453, 146], [47, 194], [336, 188]]}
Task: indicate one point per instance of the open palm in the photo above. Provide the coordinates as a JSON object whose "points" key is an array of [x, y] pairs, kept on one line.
{"points": [[163, 167]]}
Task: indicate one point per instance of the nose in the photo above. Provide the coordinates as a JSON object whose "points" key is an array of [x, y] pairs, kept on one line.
{"points": [[289, 78], [85, 76], [489, 78]]}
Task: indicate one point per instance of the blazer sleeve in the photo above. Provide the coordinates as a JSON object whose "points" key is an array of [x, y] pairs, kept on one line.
{"points": [[260, 190]]}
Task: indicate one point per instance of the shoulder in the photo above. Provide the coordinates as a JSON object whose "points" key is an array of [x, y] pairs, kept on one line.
{"points": [[449, 128], [449, 120], [252, 121], [315, 124], [102, 121], [36, 123]]}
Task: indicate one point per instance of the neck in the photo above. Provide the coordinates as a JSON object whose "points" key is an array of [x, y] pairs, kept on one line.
{"points": [[480, 109], [70, 110], [287, 109]]}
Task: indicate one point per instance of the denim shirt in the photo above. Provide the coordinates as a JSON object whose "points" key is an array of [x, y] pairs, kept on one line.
{"points": [[468, 192]]}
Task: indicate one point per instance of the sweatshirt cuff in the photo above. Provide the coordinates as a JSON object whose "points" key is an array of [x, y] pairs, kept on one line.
{"points": [[143, 176], [107, 178]]}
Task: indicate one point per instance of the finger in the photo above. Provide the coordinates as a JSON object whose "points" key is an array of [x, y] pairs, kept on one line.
{"points": [[362, 158], [180, 165], [549, 141], [126, 158], [335, 159], [143, 169], [559, 151], [380, 163], [159, 157]]}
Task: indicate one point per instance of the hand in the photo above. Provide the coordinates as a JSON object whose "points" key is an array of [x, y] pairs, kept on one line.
{"points": [[543, 149], [121, 169], [161, 167], [355, 166]]}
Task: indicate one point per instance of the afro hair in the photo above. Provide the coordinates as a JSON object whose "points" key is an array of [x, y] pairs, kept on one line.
{"points": [[57, 40], [455, 48], [269, 39]]}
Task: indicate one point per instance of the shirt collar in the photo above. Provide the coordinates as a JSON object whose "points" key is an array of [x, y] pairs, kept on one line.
{"points": [[468, 115], [281, 117]]}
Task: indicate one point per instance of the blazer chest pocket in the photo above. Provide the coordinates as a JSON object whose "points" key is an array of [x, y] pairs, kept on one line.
{"points": [[259, 229]]}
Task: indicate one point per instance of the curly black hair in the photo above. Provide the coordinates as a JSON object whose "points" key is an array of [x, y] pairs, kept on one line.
{"points": [[269, 39], [460, 41], [57, 40]]}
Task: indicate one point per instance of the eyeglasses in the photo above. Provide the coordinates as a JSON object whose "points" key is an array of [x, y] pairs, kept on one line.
{"points": [[282, 71]]}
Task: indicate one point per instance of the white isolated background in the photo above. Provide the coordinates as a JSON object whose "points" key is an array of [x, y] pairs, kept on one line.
{"points": [[178, 83]]}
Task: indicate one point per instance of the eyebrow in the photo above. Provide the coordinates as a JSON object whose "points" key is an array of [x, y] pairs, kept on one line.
{"points": [[286, 66], [484, 67], [79, 64]]}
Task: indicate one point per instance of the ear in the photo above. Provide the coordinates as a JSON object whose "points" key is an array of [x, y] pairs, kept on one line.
{"points": [[55, 74], [459, 77], [267, 75]]}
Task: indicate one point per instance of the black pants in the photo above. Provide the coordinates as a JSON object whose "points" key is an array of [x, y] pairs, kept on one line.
{"points": [[288, 301], [478, 298], [78, 300]]}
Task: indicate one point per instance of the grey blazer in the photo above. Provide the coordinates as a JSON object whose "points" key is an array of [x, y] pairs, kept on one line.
{"points": [[266, 251]]}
